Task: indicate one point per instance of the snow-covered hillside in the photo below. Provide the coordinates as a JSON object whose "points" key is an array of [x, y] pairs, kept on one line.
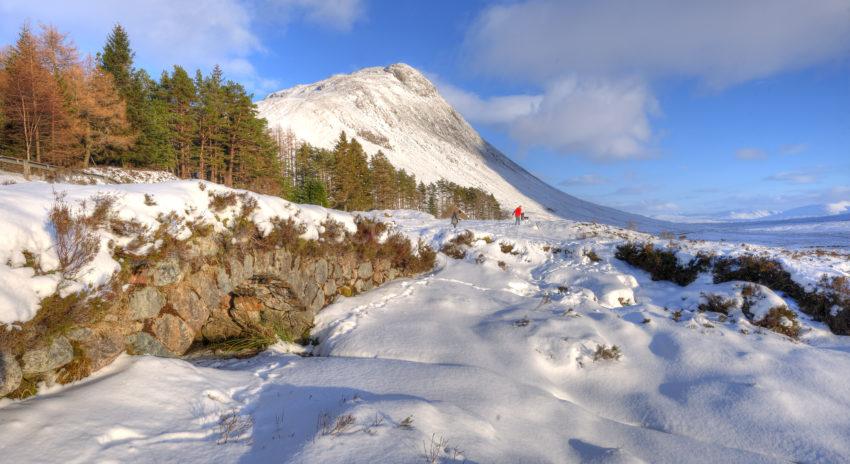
{"points": [[491, 358], [399, 111]]}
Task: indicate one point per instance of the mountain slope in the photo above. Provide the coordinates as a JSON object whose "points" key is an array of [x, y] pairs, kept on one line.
{"points": [[397, 110]]}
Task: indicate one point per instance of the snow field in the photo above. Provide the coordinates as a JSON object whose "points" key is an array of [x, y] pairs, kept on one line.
{"points": [[496, 359]]}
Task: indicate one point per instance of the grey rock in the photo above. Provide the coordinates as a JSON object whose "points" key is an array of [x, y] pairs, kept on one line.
{"points": [[144, 343], [330, 288], [368, 285], [166, 272], [237, 271], [321, 271], [102, 348], [145, 303], [248, 265], [10, 374], [365, 270], [225, 285], [41, 360], [220, 327], [189, 306], [206, 286], [173, 333], [79, 334], [392, 274], [201, 247]]}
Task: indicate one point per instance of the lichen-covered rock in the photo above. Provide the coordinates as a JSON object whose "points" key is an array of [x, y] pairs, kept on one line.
{"points": [[145, 303], [186, 303], [173, 333], [205, 285], [222, 279], [246, 310], [102, 348], [365, 270], [321, 271], [79, 334], [330, 287], [10, 374], [166, 272], [220, 328], [42, 360], [141, 343], [201, 247]]}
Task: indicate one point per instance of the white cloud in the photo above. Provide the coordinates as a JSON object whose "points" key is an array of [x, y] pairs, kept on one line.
{"points": [[606, 53], [722, 42], [340, 15], [494, 110], [750, 153], [838, 207], [793, 148], [585, 179], [601, 119], [795, 177]]}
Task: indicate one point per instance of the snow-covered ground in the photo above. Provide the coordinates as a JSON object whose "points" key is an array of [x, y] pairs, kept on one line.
{"points": [[490, 357], [24, 226]]}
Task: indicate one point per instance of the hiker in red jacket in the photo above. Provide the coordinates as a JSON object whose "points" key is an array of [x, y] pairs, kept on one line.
{"points": [[518, 214]]}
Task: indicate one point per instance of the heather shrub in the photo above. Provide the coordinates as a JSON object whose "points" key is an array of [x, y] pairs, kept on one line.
{"points": [[662, 264]]}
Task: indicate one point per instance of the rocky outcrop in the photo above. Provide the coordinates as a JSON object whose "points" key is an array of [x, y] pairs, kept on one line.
{"points": [[203, 296]]}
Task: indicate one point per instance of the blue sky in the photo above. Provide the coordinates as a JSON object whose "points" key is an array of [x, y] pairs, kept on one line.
{"points": [[660, 107]]}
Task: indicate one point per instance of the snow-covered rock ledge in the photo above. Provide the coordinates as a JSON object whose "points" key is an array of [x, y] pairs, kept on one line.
{"points": [[89, 272]]}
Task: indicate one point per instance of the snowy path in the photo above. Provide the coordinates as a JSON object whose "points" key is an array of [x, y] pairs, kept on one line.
{"points": [[498, 362]]}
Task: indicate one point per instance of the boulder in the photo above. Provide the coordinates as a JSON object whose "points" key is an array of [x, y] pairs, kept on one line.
{"points": [[144, 343], [330, 287], [365, 270], [321, 271], [186, 303], [79, 334], [246, 310], [42, 360], [225, 284], [173, 333], [10, 374], [220, 328], [204, 284], [166, 272], [145, 303], [102, 348]]}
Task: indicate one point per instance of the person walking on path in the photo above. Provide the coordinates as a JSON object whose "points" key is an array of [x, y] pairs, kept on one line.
{"points": [[455, 219], [518, 215]]}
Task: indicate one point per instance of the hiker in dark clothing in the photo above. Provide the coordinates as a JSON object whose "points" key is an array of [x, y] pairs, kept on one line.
{"points": [[455, 219], [518, 215]]}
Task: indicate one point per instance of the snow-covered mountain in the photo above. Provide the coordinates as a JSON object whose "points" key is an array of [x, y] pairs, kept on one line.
{"points": [[399, 111], [835, 210]]}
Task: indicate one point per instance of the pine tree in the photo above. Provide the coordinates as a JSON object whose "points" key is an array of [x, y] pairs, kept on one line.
{"points": [[181, 96], [384, 182], [117, 59]]}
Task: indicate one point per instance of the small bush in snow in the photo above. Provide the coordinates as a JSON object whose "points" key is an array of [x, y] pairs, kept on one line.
{"points": [[592, 256], [75, 245], [606, 353], [233, 427], [782, 320], [221, 201], [456, 247], [433, 450], [406, 423], [507, 248], [716, 304], [662, 264], [149, 201]]}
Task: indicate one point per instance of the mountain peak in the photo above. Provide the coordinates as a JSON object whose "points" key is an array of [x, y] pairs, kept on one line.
{"points": [[412, 78], [397, 110]]}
